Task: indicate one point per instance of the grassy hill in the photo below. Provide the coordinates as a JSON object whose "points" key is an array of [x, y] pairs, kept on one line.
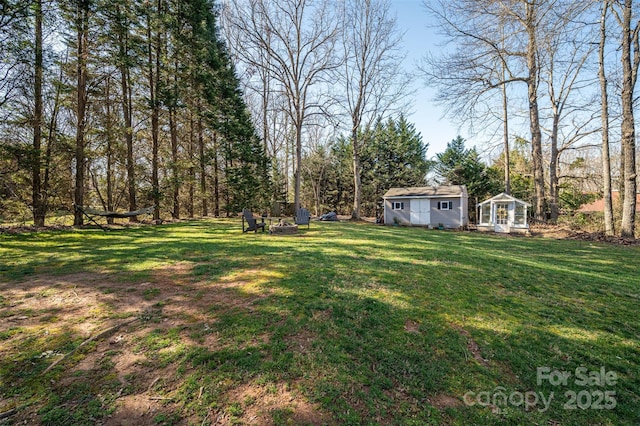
{"points": [[197, 323]]}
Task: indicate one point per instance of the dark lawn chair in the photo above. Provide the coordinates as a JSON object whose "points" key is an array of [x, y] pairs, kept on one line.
{"points": [[252, 223], [303, 217]]}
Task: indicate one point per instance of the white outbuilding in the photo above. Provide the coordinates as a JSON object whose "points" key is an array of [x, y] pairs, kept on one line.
{"points": [[503, 213]]}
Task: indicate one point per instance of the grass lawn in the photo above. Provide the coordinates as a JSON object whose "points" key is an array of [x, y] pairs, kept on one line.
{"points": [[196, 323]]}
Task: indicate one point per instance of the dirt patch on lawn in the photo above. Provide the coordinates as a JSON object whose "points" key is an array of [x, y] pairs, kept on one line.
{"points": [[472, 347], [301, 342], [135, 369], [275, 404], [442, 401], [411, 326]]}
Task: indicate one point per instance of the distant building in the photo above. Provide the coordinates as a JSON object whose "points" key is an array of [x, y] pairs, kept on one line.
{"points": [[597, 206], [430, 206]]}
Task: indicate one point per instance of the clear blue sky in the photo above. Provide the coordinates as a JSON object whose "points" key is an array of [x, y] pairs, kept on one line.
{"points": [[437, 131]]}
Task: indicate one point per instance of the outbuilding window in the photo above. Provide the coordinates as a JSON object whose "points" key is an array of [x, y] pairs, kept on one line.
{"points": [[445, 205], [397, 205], [520, 215], [485, 216]]}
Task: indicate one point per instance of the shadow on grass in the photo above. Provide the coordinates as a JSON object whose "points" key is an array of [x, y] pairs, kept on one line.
{"points": [[362, 321]]}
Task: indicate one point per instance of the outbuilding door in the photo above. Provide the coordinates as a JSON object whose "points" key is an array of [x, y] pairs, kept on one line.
{"points": [[420, 211], [502, 217]]}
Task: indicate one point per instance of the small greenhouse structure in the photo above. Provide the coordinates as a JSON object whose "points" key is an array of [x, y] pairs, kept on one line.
{"points": [[503, 213]]}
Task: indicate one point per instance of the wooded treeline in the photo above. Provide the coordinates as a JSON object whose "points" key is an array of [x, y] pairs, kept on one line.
{"points": [[318, 72], [136, 103], [536, 73], [567, 70], [199, 108], [393, 155], [123, 105]]}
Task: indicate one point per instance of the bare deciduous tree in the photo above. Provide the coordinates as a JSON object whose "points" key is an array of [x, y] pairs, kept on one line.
{"points": [[299, 38], [505, 136], [606, 157], [565, 52], [501, 42], [528, 14], [373, 79], [496, 46], [630, 60]]}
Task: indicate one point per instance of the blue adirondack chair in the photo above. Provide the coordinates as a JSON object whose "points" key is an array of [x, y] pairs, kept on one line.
{"points": [[303, 217]]}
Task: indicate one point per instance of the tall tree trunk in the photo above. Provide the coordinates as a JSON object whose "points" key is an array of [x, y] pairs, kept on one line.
{"points": [[125, 82], [286, 169], [227, 194], [109, 153], [154, 78], [265, 114], [621, 167], [173, 131], [51, 138], [38, 207], [357, 175], [534, 115], [609, 226], [175, 180], [82, 18], [629, 73], [192, 168], [216, 177], [298, 162], [505, 115], [357, 144], [553, 167], [203, 168]]}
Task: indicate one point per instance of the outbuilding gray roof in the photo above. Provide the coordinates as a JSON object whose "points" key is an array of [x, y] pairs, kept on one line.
{"points": [[427, 191]]}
